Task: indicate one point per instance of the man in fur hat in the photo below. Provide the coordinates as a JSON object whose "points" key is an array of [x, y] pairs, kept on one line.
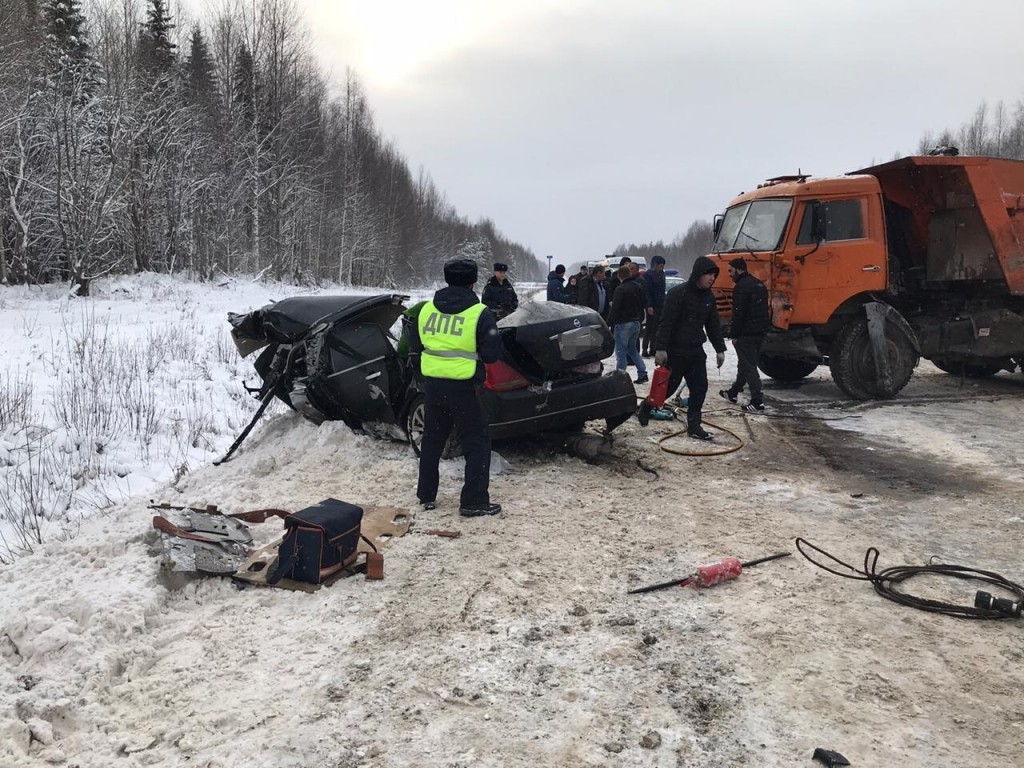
{"points": [[499, 295], [454, 335]]}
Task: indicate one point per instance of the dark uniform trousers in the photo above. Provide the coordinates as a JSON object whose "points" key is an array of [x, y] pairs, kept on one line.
{"points": [[449, 403], [690, 363], [748, 349]]}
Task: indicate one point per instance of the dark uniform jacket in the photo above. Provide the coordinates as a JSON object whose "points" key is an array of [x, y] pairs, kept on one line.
{"points": [[451, 301], [749, 308], [500, 297], [629, 303], [690, 317]]}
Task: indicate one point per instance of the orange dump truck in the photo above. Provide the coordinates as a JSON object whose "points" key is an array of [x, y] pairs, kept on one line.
{"points": [[869, 272]]}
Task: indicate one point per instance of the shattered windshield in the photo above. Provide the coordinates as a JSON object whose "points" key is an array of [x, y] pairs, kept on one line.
{"points": [[754, 226]]}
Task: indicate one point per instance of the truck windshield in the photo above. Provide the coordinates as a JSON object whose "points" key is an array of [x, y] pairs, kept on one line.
{"points": [[754, 226]]}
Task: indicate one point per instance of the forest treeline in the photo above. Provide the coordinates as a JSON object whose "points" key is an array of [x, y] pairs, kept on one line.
{"points": [[992, 132], [680, 253], [128, 144]]}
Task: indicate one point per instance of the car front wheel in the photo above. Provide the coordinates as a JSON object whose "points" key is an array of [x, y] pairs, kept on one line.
{"points": [[415, 421]]}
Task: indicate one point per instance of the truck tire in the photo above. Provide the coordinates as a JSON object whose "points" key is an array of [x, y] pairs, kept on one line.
{"points": [[416, 419], [976, 370], [852, 361], [785, 368]]}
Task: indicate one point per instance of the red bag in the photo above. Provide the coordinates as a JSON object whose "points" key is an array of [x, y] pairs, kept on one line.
{"points": [[659, 386]]}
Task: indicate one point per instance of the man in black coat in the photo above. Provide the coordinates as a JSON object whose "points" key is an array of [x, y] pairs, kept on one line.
{"points": [[688, 319], [613, 278], [593, 292], [654, 284], [750, 322], [572, 286], [628, 307], [499, 296]]}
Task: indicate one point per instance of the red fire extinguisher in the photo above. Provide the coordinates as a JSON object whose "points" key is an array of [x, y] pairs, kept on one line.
{"points": [[659, 386]]}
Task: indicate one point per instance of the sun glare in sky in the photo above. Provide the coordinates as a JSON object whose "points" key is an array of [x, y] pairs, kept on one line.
{"points": [[386, 41], [391, 38]]}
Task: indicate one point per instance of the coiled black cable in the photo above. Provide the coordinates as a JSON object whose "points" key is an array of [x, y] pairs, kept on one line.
{"points": [[885, 582]]}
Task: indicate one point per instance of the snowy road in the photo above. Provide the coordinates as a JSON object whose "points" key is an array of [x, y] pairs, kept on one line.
{"points": [[517, 644]]}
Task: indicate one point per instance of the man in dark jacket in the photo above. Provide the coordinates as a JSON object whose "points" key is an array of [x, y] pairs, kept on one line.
{"points": [[654, 285], [750, 322], [499, 295], [556, 285], [453, 336], [625, 316], [593, 292], [613, 277], [688, 319], [572, 286]]}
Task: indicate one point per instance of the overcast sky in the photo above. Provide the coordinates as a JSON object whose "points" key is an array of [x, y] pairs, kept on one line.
{"points": [[578, 125]]}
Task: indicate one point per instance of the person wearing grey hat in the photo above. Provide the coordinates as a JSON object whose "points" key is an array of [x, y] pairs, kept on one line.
{"points": [[499, 294], [453, 336]]}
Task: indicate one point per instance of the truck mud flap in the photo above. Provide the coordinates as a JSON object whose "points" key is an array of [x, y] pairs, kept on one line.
{"points": [[878, 314]]}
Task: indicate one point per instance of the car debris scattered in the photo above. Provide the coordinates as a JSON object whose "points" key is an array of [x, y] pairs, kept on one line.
{"points": [[726, 569], [203, 540], [829, 758]]}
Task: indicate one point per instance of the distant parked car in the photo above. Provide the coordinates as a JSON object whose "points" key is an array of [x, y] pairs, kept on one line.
{"points": [[336, 358]]}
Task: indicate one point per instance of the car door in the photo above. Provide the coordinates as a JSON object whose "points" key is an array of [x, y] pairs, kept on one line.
{"points": [[360, 363]]}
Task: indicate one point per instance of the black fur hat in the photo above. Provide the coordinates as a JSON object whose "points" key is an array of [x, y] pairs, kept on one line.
{"points": [[460, 272]]}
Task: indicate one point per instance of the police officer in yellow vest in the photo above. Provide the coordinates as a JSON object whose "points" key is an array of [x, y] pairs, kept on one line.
{"points": [[453, 337]]}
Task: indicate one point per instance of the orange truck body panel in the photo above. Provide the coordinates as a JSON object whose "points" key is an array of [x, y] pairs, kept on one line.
{"points": [[967, 223], [981, 199]]}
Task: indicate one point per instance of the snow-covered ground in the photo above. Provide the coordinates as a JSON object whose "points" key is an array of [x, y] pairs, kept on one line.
{"points": [[104, 398], [515, 644]]}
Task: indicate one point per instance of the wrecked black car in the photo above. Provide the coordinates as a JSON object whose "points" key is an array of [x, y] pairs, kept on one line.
{"points": [[345, 358]]}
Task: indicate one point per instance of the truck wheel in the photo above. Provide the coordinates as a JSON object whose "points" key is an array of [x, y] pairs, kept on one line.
{"points": [[784, 368], [415, 421], [976, 370], [852, 361]]}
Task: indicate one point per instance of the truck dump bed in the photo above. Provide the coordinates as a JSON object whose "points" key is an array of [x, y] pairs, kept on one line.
{"points": [[958, 218]]}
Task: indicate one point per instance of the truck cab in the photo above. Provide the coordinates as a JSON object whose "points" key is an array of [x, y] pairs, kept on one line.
{"points": [[869, 271]]}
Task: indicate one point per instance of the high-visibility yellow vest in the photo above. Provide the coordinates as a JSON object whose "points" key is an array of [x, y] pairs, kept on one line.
{"points": [[449, 342]]}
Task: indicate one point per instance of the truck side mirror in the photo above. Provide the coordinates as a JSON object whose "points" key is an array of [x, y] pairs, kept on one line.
{"points": [[819, 223], [717, 227]]}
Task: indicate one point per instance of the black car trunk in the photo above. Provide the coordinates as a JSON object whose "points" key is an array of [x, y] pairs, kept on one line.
{"points": [[550, 341]]}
